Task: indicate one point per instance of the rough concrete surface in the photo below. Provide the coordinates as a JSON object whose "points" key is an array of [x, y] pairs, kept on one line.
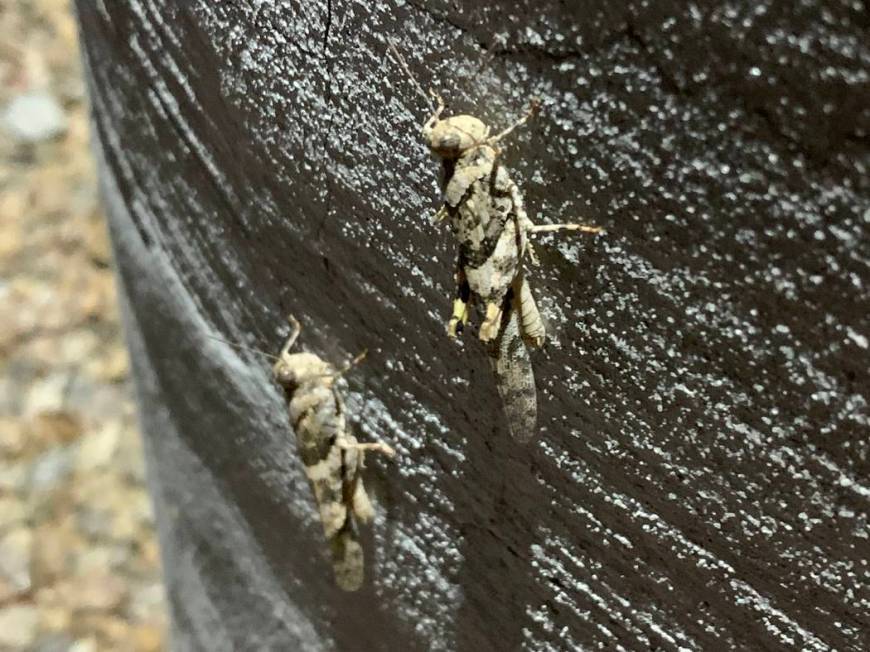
{"points": [[700, 479]]}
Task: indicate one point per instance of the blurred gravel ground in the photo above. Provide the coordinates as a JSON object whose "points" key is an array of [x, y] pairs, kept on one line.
{"points": [[79, 567]]}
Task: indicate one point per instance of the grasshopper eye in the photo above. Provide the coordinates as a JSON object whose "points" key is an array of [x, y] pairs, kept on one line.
{"points": [[285, 376], [448, 143]]}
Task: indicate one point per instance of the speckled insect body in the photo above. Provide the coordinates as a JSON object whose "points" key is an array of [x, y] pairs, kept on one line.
{"points": [[485, 210], [332, 457], [486, 214]]}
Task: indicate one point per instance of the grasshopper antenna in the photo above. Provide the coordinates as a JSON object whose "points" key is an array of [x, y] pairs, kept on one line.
{"points": [[534, 107], [398, 56], [499, 41], [350, 365], [243, 347]]}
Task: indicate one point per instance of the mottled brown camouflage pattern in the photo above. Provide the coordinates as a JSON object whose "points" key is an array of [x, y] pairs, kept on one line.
{"points": [[332, 457], [484, 208], [486, 215]]}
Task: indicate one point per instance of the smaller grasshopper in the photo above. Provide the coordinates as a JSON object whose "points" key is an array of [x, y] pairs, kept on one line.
{"points": [[332, 457]]}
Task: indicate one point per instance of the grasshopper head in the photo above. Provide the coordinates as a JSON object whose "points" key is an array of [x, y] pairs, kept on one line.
{"points": [[451, 137], [296, 369]]}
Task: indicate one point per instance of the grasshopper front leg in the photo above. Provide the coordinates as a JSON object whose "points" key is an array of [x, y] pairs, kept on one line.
{"points": [[351, 444], [459, 318], [440, 215]]}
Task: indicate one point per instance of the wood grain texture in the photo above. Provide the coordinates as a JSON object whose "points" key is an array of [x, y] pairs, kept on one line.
{"points": [[701, 478]]}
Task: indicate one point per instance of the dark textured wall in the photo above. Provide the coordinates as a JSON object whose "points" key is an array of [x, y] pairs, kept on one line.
{"points": [[701, 476]]}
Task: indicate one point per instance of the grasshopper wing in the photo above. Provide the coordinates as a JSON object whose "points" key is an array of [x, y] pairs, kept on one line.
{"points": [[515, 379]]}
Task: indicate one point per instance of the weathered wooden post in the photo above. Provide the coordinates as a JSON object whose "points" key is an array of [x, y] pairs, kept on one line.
{"points": [[700, 478]]}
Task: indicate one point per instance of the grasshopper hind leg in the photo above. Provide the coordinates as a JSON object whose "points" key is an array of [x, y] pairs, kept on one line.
{"points": [[531, 325]]}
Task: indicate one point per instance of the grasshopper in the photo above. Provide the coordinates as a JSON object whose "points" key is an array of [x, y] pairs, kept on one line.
{"points": [[332, 457], [485, 210]]}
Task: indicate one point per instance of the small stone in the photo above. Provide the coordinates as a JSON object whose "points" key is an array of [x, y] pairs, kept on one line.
{"points": [[94, 592], [101, 591], [18, 625], [78, 346], [12, 235], [48, 394], [84, 645], [146, 603], [33, 117], [55, 546], [51, 468], [150, 553], [96, 241], [97, 449], [53, 618], [13, 477], [111, 367], [55, 427], [53, 643], [93, 523], [112, 631], [10, 396], [12, 437], [148, 638], [15, 555], [96, 399], [109, 509], [12, 512], [99, 558], [124, 525], [130, 461]]}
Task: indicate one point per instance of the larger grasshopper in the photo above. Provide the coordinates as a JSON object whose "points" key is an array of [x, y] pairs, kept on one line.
{"points": [[484, 208]]}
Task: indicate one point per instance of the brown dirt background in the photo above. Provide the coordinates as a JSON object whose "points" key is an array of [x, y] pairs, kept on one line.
{"points": [[79, 563]]}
